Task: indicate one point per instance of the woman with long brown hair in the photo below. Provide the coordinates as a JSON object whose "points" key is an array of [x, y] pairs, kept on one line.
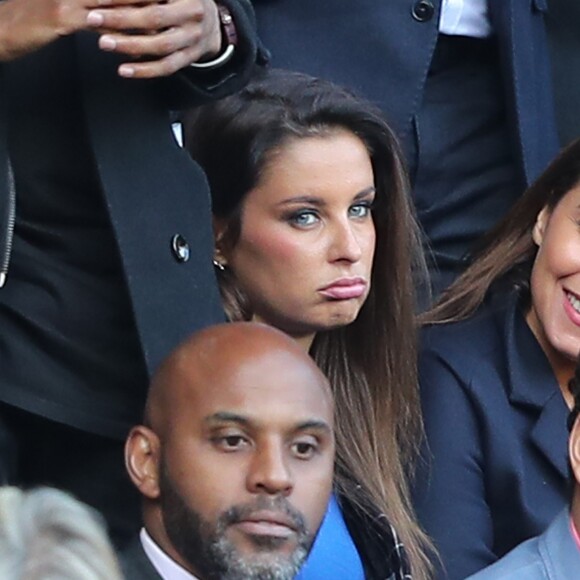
{"points": [[316, 236], [498, 351]]}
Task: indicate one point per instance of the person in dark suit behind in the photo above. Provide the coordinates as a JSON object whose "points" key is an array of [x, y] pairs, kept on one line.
{"points": [[555, 555], [105, 232], [234, 460], [466, 85], [497, 354], [562, 24]]}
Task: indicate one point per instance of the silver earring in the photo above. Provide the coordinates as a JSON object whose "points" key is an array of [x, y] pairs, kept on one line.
{"points": [[218, 265]]}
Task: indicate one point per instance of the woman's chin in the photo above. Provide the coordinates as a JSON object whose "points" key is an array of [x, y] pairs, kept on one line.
{"points": [[339, 318]]}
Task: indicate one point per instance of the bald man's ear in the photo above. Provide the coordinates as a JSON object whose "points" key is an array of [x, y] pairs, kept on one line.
{"points": [[574, 450], [142, 460]]}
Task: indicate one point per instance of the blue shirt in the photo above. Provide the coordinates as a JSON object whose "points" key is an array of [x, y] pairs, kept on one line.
{"points": [[334, 554]]}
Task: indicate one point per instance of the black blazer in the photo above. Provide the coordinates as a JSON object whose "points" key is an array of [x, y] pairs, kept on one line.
{"points": [[135, 564], [382, 50], [495, 421]]}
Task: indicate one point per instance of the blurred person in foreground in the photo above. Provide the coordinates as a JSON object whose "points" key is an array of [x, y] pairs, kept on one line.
{"points": [[46, 533]]}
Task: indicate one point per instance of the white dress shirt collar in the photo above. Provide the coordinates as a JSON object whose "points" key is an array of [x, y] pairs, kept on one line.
{"points": [[465, 18], [166, 567]]}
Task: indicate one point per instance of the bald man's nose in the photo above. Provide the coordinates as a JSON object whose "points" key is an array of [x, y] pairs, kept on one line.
{"points": [[269, 470]]}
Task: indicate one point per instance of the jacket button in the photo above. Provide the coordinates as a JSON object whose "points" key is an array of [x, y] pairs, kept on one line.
{"points": [[423, 10], [180, 248]]}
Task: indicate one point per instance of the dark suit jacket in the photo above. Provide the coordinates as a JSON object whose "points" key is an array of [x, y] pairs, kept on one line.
{"points": [[552, 556], [135, 564], [563, 25], [378, 48], [495, 423]]}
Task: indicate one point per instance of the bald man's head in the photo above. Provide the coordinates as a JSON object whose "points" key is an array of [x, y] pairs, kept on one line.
{"points": [[236, 459], [219, 354]]}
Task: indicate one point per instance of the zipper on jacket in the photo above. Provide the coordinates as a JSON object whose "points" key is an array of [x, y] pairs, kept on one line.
{"points": [[9, 231]]}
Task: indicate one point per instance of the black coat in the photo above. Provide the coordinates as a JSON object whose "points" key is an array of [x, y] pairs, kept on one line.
{"points": [[495, 421], [153, 192], [135, 564]]}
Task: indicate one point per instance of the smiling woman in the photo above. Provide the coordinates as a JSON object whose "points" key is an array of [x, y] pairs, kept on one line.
{"points": [[498, 352], [315, 236]]}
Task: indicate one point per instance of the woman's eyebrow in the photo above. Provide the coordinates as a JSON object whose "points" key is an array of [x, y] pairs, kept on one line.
{"points": [[366, 192], [309, 199], [319, 201]]}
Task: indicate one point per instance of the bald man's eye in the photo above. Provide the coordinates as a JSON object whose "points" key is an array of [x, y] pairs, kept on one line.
{"points": [[231, 442]]}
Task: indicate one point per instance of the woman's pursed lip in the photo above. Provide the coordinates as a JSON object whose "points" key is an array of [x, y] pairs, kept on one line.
{"points": [[345, 288], [344, 282]]}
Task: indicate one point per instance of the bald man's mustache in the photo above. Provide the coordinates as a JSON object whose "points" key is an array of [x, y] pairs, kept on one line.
{"points": [[276, 510]]}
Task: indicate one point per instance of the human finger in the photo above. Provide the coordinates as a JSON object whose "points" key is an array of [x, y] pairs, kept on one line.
{"points": [[162, 67], [146, 18], [161, 44]]}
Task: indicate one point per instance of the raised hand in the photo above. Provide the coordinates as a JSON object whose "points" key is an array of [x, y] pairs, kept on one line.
{"points": [[27, 25], [160, 37]]}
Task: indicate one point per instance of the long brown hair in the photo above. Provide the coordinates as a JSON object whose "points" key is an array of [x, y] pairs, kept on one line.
{"points": [[507, 253], [371, 363]]}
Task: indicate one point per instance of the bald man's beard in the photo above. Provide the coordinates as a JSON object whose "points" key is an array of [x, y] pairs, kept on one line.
{"points": [[213, 556]]}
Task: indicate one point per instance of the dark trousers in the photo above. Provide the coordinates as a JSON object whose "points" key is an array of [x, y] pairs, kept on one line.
{"points": [[36, 451], [464, 172]]}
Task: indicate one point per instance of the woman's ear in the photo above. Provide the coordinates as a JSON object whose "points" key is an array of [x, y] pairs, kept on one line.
{"points": [[220, 228], [142, 460], [540, 226]]}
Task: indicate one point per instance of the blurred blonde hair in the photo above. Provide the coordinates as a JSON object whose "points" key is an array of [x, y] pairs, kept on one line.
{"points": [[46, 534]]}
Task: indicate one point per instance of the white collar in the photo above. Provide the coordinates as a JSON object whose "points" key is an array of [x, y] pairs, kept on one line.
{"points": [[166, 567]]}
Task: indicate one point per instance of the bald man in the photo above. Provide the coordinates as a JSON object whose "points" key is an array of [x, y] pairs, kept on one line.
{"points": [[234, 460]]}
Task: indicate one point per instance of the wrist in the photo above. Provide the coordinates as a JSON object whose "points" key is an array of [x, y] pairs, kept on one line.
{"points": [[229, 36]]}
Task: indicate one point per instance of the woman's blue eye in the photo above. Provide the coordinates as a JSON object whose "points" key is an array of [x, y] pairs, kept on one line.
{"points": [[360, 210], [304, 218]]}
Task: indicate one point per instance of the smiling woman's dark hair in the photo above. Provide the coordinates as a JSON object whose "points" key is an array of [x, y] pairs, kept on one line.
{"points": [[371, 363], [508, 252]]}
